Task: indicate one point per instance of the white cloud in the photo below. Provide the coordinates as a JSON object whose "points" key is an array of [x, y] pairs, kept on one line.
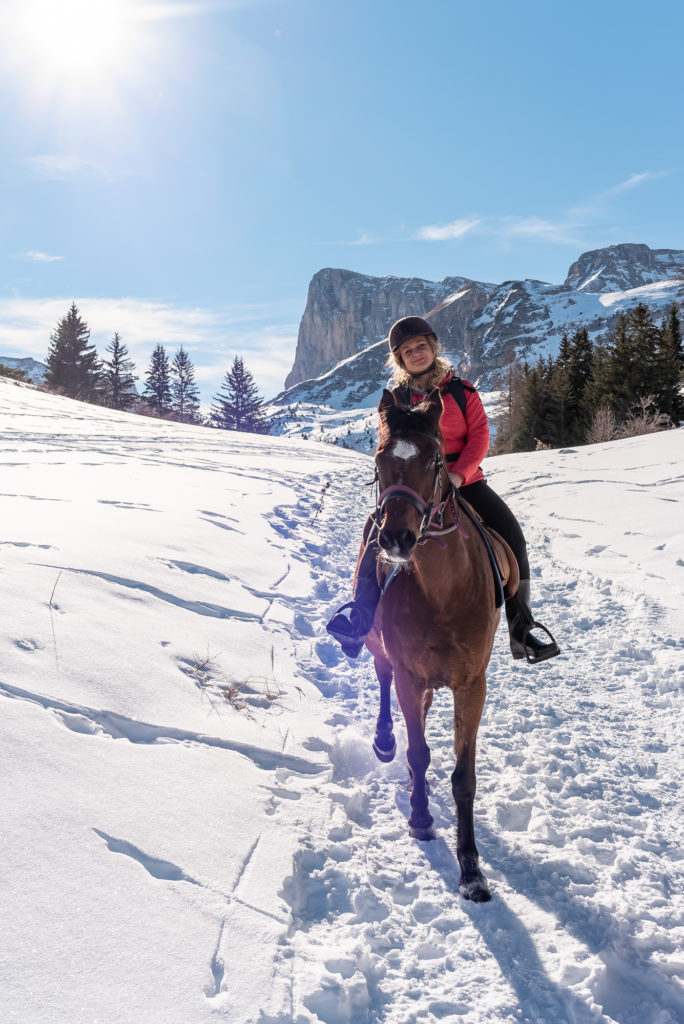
{"points": [[597, 205], [503, 228], [455, 229], [637, 179], [56, 165], [38, 257], [535, 227]]}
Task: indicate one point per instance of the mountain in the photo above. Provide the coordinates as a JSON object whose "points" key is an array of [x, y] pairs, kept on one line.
{"points": [[623, 267], [35, 371], [342, 350], [346, 312]]}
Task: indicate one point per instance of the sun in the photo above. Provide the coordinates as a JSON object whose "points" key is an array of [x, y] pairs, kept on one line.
{"points": [[72, 36], [68, 43]]}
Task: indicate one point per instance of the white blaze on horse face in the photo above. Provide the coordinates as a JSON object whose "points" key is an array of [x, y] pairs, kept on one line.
{"points": [[404, 450]]}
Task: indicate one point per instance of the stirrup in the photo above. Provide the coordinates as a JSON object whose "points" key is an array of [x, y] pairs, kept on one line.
{"points": [[533, 649]]}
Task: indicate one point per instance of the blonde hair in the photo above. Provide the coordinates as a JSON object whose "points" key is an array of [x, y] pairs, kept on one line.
{"points": [[399, 375]]}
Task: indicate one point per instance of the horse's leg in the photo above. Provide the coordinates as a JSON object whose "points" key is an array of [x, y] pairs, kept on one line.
{"points": [[384, 743], [415, 701], [467, 712]]}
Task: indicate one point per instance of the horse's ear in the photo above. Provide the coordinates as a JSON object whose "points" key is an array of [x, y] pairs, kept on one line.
{"points": [[387, 400], [434, 408]]}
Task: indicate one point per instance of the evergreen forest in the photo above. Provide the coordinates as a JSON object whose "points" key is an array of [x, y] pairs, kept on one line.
{"points": [[627, 383]]}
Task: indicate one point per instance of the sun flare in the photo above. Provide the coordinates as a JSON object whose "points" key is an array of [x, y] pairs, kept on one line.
{"points": [[72, 37]]}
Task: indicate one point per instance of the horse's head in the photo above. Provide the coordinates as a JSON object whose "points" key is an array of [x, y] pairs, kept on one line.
{"points": [[409, 465]]}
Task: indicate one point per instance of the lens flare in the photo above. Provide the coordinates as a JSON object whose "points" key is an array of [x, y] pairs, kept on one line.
{"points": [[71, 39]]}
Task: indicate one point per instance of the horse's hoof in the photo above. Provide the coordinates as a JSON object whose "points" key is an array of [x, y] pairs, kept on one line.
{"points": [[384, 746], [424, 834], [476, 889]]}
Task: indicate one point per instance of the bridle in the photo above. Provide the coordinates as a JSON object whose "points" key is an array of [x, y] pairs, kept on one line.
{"points": [[432, 512]]}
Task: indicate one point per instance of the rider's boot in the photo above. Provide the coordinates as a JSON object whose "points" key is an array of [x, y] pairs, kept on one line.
{"points": [[521, 622], [351, 630]]}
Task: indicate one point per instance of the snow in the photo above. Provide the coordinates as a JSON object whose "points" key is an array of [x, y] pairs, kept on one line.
{"points": [[172, 857], [659, 293]]}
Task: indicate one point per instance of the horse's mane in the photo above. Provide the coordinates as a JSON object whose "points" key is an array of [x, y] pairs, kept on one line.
{"points": [[404, 422]]}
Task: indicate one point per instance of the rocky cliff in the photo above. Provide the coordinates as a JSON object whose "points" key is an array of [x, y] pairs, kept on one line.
{"points": [[346, 312], [620, 268]]}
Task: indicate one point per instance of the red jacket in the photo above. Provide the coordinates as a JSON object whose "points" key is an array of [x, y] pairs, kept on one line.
{"points": [[467, 436]]}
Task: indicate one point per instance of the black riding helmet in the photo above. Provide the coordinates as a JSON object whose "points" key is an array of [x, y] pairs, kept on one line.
{"points": [[406, 328]]}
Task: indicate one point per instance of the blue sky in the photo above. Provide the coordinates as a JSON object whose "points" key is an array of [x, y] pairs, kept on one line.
{"points": [[183, 169]]}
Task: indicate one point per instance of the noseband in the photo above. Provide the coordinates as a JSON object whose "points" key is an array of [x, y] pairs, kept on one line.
{"points": [[432, 514]]}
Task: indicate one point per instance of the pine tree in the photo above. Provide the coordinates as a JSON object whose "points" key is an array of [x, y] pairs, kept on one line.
{"points": [[119, 378], [536, 417], [634, 359], [669, 368], [580, 369], [73, 367], [562, 410], [238, 404], [158, 386], [512, 382], [184, 391], [598, 391]]}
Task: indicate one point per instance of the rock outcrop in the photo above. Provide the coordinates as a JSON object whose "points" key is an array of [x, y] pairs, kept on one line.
{"points": [[619, 268], [346, 312]]}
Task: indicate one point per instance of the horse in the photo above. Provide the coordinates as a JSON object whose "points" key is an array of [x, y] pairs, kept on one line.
{"points": [[435, 623]]}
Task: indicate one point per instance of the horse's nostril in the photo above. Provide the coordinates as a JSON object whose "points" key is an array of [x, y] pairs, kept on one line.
{"points": [[384, 540], [406, 539], [397, 542]]}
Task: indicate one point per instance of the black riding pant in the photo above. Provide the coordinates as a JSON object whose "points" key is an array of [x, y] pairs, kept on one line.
{"points": [[496, 513]]}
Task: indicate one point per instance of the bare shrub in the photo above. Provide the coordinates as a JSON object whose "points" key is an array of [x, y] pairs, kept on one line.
{"points": [[644, 419], [541, 446], [250, 693], [603, 426], [233, 695]]}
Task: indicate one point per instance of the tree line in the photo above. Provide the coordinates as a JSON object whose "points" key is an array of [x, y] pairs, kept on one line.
{"points": [[170, 391], [629, 382]]}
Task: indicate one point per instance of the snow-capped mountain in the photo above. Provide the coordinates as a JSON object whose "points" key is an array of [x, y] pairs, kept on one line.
{"points": [[623, 267], [481, 326], [346, 312], [35, 371]]}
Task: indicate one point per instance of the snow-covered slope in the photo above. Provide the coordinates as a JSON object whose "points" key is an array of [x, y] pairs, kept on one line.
{"points": [[173, 856]]}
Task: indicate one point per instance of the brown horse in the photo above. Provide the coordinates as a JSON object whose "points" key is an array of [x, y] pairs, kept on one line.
{"points": [[436, 621]]}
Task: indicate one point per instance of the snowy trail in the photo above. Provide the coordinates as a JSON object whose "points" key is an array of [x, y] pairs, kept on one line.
{"points": [[578, 817], [174, 857]]}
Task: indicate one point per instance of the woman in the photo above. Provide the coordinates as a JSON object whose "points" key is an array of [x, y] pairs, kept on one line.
{"points": [[418, 368]]}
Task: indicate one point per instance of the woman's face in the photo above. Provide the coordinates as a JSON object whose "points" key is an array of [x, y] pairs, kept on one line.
{"points": [[417, 355]]}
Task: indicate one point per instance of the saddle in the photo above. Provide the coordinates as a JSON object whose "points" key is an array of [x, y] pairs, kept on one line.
{"points": [[503, 562]]}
